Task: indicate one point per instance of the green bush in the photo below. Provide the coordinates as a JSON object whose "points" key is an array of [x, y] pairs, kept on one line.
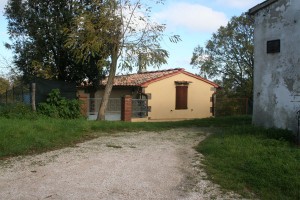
{"points": [[59, 107], [17, 110]]}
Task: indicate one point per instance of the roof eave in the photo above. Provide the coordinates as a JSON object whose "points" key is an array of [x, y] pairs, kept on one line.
{"points": [[202, 79], [179, 72], [145, 84], [255, 9]]}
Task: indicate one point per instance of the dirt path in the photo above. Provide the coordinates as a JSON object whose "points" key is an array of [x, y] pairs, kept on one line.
{"points": [[143, 165]]}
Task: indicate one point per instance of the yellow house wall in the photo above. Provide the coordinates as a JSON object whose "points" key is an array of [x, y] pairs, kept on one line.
{"points": [[163, 99]]}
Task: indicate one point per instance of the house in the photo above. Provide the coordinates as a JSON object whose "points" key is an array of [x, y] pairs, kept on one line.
{"points": [[173, 94], [277, 63]]}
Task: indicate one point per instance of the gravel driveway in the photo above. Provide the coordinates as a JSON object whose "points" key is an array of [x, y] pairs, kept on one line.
{"points": [[141, 165]]}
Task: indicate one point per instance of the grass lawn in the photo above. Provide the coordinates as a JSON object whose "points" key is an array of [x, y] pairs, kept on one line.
{"points": [[253, 160]]}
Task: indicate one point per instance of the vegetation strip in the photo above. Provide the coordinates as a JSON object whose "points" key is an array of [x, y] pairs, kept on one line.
{"points": [[255, 162], [20, 136]]}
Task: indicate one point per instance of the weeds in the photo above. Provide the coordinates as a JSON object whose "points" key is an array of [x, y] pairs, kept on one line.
{"points": [[254, 160], [17, 111]]}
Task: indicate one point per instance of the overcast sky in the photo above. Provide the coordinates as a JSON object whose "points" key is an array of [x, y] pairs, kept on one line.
{"points": [[193, 20]]}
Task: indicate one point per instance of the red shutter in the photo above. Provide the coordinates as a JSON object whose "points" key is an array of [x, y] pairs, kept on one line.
{"points": [[181, 97]]}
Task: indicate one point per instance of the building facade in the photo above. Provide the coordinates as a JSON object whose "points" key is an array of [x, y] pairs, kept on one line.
{"points": [[173, 94], [277, 64]]}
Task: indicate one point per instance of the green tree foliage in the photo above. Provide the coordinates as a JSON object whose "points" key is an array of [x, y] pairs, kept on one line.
{"points": [[229, 56], [59, 107], [124, 30], [36, 30], [4, 85]]}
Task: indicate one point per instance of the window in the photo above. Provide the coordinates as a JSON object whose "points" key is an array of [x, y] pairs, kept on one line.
{"points": [[181, 97], [273, 46]]}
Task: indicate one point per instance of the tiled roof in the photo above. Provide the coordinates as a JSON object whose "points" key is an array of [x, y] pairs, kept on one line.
{"points": [[145, 78], [140, 78]]}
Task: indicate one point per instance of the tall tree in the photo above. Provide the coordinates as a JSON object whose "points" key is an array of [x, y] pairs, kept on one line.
{"points": [[229, 55], [124, 29], [36, 29]]}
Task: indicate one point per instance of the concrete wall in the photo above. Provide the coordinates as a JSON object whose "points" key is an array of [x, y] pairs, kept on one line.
{"points": [[277, 75], [163, 97]]}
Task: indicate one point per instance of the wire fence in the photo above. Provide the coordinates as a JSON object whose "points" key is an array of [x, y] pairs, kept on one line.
{"points": [[232, 106], [20, 93], [139, 108]]}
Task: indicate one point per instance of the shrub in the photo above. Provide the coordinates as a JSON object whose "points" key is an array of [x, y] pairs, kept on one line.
{"points": [[59, 107], [17, 110]]}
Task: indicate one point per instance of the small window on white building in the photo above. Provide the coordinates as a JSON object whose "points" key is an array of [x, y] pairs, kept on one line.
{"points": [[273, 46]]}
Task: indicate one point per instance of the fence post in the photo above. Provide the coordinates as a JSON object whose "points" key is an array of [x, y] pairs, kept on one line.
{"points": [[22, 94], [84, 104], [6, 97], [33, 89], [247, 106], [13, 94], [126, 111], [298, 129]]}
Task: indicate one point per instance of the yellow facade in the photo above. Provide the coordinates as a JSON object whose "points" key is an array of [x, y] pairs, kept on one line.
{"points": [[163, 99]]}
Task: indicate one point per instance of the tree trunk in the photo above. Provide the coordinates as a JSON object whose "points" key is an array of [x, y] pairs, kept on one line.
{"points": [[109, 84]]}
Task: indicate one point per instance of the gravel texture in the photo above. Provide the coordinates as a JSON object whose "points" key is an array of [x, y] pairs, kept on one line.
{"points": [[140, 165]]}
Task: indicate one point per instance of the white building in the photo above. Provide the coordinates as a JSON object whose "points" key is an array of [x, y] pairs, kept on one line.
{"points": [[277, 63]]}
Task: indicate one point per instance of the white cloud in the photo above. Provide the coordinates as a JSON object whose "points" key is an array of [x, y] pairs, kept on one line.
{"points": [[193, 17], [241, 4]]}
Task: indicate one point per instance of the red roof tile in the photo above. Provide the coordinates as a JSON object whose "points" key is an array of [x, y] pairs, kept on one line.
{"points": [[145, 78]]}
